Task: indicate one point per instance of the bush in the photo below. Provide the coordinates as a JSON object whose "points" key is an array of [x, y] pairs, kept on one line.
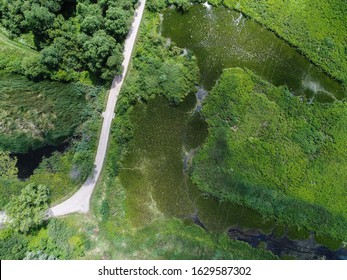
{"points": [[28, 210], [13, 246]]}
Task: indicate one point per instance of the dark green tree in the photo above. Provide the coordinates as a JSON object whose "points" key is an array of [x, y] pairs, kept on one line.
{"points": [[91, 24], [91, 18], [98, 51], [118, 22], [38, 19], [33, 68], [13, 246], [11, 16]]}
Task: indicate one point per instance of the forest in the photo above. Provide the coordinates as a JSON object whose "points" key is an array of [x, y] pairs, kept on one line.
{"points": [[267, 150], [76, 44], [75, 40], [57, 60]]}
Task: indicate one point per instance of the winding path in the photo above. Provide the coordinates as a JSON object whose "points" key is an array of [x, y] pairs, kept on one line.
{"points": [[80, 201]]}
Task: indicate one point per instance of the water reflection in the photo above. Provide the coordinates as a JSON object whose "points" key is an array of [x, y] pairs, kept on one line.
{"points": [[221, 38]]}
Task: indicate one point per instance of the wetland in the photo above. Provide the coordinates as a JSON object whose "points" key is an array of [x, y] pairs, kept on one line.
{"points": [[157, 168], [221, 38], [155, 175]]}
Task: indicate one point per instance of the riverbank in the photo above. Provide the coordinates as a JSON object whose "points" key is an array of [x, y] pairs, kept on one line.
{"points": [[144, 188], [315, 28], [271, 151], [318, 31], [47, 114]]}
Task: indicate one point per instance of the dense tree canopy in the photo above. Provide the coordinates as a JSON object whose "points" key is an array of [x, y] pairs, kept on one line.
{"points": [[65, 31]]}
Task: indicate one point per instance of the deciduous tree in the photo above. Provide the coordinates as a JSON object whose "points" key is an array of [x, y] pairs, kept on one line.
{"points": [[28, 210]]}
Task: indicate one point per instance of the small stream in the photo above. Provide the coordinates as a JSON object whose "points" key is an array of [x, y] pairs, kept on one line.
{"points": [[283, 246]]}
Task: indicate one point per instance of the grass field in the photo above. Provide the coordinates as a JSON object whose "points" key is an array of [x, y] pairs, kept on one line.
{"points": [[275, 153], [12, 53], [32, 114]]}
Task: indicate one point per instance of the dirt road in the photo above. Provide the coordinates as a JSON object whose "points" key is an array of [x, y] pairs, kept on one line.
{"points": [[80, 201]]}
